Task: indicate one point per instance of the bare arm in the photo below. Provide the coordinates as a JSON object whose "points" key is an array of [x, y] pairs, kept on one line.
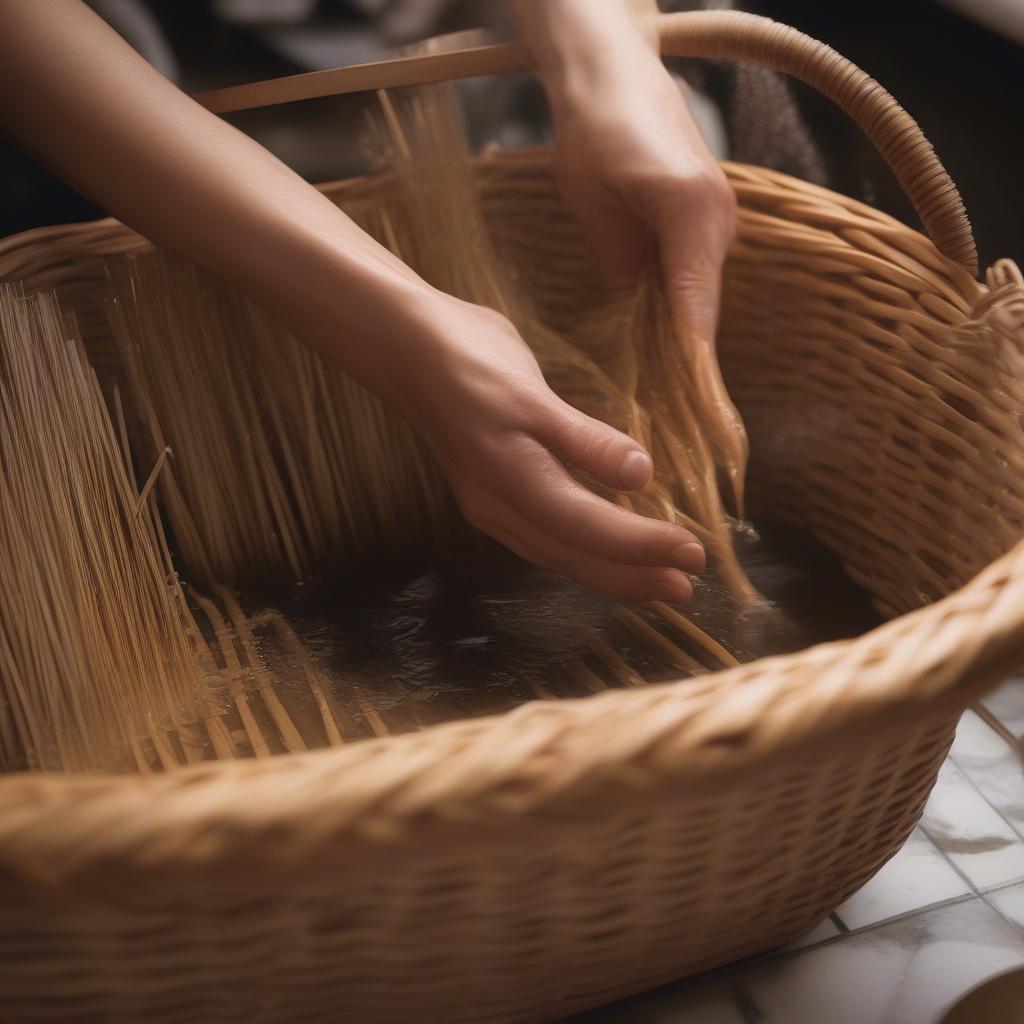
{"points": [[76, 96], [631, 160], [79, 98]]}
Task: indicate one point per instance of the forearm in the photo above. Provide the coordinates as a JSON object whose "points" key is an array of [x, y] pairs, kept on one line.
{"points": [[83, 102], [579, 43]]}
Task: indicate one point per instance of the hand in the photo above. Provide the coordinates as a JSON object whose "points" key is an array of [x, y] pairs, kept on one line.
{"points": [[634, 168], [502, 437]]}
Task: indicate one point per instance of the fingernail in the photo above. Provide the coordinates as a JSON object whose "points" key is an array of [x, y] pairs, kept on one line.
{"points": [[689, 556], [680, 589], [635, 470]]}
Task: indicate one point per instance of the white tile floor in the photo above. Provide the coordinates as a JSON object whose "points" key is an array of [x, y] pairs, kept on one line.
{"points": [[946, 913]]}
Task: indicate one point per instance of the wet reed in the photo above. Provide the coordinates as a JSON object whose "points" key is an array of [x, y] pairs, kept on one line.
{"points": [[94, 647]]}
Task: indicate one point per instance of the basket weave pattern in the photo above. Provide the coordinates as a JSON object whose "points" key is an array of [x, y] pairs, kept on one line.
{"points": [[524, 866]]}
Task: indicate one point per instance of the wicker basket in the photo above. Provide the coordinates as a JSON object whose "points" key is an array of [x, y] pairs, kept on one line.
{"points": [[517, 868]]}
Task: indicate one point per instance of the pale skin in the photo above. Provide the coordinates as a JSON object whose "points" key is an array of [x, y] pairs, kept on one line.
{"points": [[631, 164]]}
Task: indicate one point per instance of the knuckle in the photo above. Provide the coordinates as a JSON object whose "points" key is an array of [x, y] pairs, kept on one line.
{"points": [[498, 321], [594, 445], [518, 446], [711, 186], [539, 409], [703, 193]]}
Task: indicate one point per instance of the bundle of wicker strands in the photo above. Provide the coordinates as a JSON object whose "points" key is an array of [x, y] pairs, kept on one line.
{"points": [[286, 470]]}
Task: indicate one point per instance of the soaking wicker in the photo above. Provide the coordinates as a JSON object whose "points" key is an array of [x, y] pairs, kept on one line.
{"points": [[520, 867]]}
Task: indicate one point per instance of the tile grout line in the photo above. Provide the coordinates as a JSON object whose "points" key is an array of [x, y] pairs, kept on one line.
{"points": [[941, 904], [973, 891], [945, 856], [841, 925], [963, 771], [1000, 886], [749, 1010], [845, 931], [1016, 926], [745, 1002]]}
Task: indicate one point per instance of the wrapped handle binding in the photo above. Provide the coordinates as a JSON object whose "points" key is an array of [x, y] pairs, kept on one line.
{"points": [[723, 34]]}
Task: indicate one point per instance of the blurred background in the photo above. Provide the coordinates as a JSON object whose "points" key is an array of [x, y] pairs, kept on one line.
{"points": [[956, 65]]}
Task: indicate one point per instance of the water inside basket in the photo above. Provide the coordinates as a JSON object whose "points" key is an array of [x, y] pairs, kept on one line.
{"points": [[476, 631]]}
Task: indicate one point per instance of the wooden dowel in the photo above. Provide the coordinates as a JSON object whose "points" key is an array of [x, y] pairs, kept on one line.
{"points": [[290, 735], [191, 746], [611, 658], [421, 69], [590, 679], [693, 632], [672, 651], [262, 682], [164, 750], [142, 762], [234, 671], [313, 676], [154, 475], [373, 718], [542, 691], [220, 736]]}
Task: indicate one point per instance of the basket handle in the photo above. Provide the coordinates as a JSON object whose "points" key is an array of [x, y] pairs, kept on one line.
{"points": [[723, 34]]}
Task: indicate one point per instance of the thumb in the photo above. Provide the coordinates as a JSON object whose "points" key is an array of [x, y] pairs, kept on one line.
{"points": [[609, 456], [694, 231]]}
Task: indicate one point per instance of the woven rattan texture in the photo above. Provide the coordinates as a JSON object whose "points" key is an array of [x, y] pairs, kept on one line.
{"points": [[518, 868]]}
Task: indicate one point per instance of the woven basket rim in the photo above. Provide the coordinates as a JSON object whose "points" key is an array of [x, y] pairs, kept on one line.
{"points": [[448, 776]]}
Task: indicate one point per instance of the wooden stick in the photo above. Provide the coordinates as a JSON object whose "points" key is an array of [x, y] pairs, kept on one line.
{"points": [[312, 674], [154, 475], [262, 681], [191, 746], [372, 716], [220, 736], [693, 632], [542, 691], [676, 655], [141, 761], [421, 69], [613, 660], [590, 679], [234, 671], [168, 759]]}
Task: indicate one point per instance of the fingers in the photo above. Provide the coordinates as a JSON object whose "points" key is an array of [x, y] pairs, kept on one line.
{"points": [[629, 582], [535, 484], [609, 456], [695, 225]]}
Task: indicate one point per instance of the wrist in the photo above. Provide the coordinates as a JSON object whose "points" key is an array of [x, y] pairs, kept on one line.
{"points": [[363, 310], [584, 50]]}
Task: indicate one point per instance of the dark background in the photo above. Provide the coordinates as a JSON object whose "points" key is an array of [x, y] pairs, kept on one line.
{"points": [[965, 86], [962, 82]]}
